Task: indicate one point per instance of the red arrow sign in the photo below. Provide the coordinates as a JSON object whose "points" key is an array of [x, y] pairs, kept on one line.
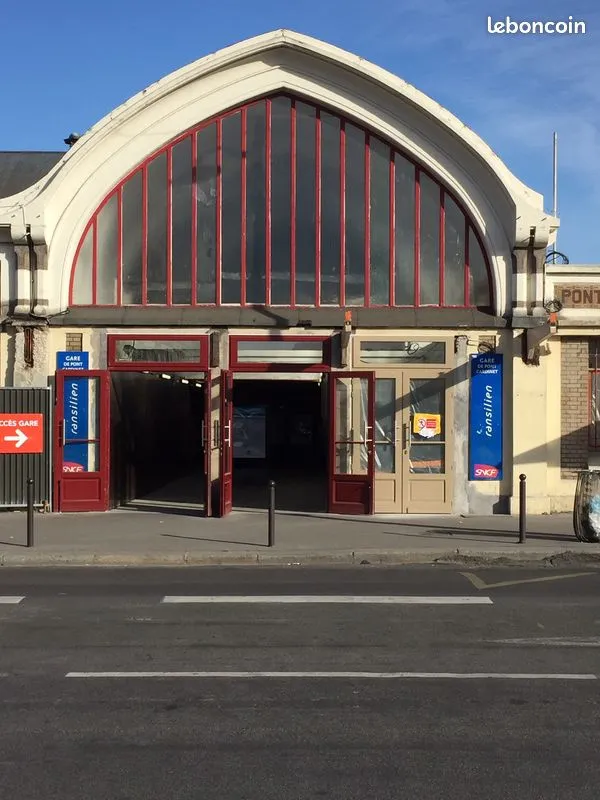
{"points": [[21, 433]]}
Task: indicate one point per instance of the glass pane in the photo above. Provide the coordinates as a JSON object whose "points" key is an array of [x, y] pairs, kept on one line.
{"points": [[231, 235], [272, 352], [132, 240], [157, 230], [594, 353], [430, 242], [81, 457], [330, 210], [427, 458], [165, 350], [399, 352], [80, 416], [255, 204], [405, 231], [427, 425], [454, 255], [380, 223], [181, 224], [350, 429], [281, 190], [206, 210], [108, 253], [305, 204], [594, 409], [480, 287], [82, 283], [355, 216], [385, 421]]}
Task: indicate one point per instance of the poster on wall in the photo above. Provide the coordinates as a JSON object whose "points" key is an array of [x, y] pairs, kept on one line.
{"points": [[485, 418], [249, 432]]}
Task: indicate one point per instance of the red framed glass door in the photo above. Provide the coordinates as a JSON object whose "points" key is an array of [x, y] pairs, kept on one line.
{"points": [[82, 440], [226, 445], [207, 445], [351, 452]]}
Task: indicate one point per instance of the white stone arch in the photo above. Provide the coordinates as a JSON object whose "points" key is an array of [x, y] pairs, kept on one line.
{"points": [[58, 207]]}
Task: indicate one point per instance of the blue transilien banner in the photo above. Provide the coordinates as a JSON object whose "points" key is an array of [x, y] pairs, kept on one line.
{"points": [[485, 418], [75, 411]]}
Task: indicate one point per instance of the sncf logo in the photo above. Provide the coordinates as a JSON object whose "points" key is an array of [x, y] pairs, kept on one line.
{"points": [[485, 471]]}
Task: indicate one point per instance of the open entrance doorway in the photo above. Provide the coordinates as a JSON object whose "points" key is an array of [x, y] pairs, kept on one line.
{"points": [[158, 440], [279, 432]]}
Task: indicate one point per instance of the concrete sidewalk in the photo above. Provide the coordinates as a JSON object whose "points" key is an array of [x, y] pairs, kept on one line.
{"points": [[130, 538]]}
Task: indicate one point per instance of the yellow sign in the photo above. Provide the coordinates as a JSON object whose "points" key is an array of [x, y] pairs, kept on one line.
{"points": [[427, 425]]}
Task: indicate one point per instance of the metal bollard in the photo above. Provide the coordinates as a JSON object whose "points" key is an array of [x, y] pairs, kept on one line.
{"points": [[29, 512], [522, 508], [271, 513]]}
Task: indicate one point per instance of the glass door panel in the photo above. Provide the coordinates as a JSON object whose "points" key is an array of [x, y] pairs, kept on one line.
{"points": [[425, 464], [351, 466], [226, 447], [385, 425], [427, 426]]}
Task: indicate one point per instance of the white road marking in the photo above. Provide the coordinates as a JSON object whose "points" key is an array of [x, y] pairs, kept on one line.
{"points": [[351, 599], [480, 584], [10, 599], [558, 641], [368, 675]]}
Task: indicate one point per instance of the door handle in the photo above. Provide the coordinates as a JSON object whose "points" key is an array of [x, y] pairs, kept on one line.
{"points": [[228, 434], [405, 436]]}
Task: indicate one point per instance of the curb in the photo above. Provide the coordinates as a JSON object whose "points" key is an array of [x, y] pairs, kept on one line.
{"points": [[470, 557]]}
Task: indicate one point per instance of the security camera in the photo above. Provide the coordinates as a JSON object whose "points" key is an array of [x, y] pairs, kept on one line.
{"points": [[552, 306]]}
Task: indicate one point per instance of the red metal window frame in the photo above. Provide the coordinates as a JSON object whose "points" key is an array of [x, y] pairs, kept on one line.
{"points": [[260, 366], [202, 365], [319, 199], [268, 203]]}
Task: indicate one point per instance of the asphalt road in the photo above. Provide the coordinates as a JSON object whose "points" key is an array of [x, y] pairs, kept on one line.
{"points": [[493, 696]]}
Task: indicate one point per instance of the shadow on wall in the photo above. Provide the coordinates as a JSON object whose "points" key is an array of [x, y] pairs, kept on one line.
{"points": [[11, 356]]}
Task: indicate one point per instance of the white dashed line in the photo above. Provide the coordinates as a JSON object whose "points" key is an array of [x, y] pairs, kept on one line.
{"points": [[337, 675], [331, 599]]}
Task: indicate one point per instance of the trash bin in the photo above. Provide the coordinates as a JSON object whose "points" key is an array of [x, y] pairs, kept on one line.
{"points": [[586, 506]]}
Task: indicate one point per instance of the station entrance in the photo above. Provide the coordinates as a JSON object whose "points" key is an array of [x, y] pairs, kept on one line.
{"points": [[158, 457], [279, 432], [160, 429]]}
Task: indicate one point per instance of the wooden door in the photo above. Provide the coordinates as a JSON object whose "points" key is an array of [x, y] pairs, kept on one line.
{"points": [[389, 475], [426, 443], [82, 440]]}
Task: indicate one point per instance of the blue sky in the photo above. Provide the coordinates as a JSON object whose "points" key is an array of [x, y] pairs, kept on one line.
{"points": [[66, 66]]}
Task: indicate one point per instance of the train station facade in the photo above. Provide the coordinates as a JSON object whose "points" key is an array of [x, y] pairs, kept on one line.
{"points": [[282, 262]]}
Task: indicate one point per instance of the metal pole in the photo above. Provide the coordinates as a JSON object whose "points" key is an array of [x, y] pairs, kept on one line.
{"points": [[29, 512], [522, 508], [271, 513], [555, 184]]}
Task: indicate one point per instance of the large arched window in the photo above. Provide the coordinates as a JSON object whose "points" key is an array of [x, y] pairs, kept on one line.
{"points": [[280, 203]]}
